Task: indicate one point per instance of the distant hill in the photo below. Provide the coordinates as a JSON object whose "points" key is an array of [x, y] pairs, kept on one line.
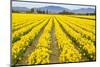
{"points": [[20, 9], [84, 10], [56, 9]]}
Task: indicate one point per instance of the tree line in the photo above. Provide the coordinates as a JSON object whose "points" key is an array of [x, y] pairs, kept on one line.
{"points": [[39, 11]]}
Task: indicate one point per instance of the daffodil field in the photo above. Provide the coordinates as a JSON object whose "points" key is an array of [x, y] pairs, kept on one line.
{"points": [[52, 38]]}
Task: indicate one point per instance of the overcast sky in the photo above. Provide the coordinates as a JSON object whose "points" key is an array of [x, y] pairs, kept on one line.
{"points": [[36, 5]]}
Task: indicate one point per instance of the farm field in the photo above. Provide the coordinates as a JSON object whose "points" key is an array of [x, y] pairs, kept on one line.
{"points": [[52, 38], [85, 17]]}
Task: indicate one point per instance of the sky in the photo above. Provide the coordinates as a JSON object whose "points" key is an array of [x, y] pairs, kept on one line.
{"points": [[37, 5]]}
